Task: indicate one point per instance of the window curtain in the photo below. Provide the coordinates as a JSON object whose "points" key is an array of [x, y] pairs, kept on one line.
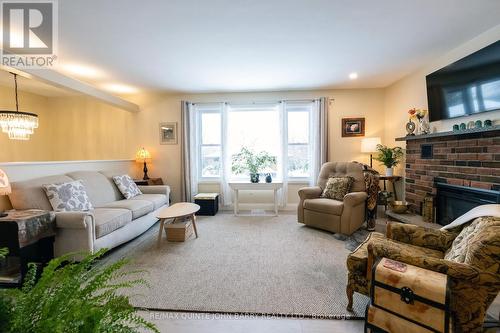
{"points": [[319, 137], [283, 160], [227, 193], [189, 160]]}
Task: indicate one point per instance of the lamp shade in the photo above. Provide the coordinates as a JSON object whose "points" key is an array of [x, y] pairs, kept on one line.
{"points": [[369, 145], [4, 183], [142, 155]]}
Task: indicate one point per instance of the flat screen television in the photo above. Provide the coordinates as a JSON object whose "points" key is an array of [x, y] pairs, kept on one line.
{"points": [[468, 86]]}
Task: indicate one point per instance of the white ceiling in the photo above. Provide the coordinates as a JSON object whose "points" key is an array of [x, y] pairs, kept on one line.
{"points": [[244, 45]]}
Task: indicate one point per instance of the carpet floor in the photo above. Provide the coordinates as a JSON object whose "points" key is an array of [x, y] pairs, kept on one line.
{"points": [[262, 265]]}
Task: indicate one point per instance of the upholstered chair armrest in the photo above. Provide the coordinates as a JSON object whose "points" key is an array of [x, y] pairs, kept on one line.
{"points": [[355, 198], [435, 239], [386, 248], [75, 220], [155, 189], [310, 192]]}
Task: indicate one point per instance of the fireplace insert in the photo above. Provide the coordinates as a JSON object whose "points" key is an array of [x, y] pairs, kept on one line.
{"points": [[453, 200]]}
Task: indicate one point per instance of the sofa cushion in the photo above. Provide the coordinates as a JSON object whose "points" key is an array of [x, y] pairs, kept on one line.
{"points": [[157, 200], [108, 220], [101, 189], [337, 187], [29, 194], [70, 196], [127, 186], [137, 207], [323, 205]]}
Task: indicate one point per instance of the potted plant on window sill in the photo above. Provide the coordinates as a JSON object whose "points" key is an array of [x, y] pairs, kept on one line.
{"points": [[390, 157], [254, 163]]}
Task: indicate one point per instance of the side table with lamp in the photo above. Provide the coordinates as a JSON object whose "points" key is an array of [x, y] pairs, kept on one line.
{"points": [[369, 145], [143, 156], [29, 237]]}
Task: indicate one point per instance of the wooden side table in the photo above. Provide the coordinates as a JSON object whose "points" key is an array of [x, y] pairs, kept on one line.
{"points": [[29, 236], [237, 186], [149, 182], [392, 180]]}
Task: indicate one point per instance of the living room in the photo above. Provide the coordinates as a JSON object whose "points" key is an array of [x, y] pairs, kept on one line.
{"points": [[189, 139]]}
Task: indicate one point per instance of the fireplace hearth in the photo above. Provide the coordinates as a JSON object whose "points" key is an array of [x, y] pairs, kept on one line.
{"points": [[454, 200]]}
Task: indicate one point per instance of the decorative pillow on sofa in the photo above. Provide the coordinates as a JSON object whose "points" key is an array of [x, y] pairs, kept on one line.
{"points": [[337, 187], [127, 186], [69, 196]]}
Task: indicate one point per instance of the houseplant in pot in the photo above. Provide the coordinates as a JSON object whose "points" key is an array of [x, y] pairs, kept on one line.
{"points": [[254, 163], [390, 157]]}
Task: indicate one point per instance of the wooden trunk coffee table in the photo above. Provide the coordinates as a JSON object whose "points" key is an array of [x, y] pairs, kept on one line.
{"points": [[177, 211]]}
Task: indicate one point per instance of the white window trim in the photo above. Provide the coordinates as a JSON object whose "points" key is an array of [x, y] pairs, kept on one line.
{"points": [[200, 110], [217, 108]]}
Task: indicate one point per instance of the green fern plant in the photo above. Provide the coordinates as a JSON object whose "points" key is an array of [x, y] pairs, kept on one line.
{"points": [[390, 157], [74, 297]]}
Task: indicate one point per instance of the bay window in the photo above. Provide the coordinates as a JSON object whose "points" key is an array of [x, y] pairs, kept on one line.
{"points": [[282, 129]]}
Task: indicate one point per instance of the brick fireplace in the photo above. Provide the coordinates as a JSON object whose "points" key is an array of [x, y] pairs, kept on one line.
{"points": [[470, 158]]}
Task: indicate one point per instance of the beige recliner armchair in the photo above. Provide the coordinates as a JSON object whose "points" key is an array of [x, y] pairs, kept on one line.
{"points": [[343, 217]]}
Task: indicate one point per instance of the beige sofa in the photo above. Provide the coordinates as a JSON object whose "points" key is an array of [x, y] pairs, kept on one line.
{"points": [[112, 222], [343, 217]]}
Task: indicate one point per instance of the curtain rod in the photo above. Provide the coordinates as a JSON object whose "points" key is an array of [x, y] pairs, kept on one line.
{"points": [[263, 102]]}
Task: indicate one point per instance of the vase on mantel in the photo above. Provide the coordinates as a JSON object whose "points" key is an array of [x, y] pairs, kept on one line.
{"points": [[423, 126]]}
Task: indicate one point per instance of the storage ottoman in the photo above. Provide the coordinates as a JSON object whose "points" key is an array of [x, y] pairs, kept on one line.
{"points": [[208, 202]]}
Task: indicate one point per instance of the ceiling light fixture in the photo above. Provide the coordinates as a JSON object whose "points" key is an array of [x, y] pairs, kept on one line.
{"points": [[118, 88], [353, 76], [82, 71], [18, 125]]}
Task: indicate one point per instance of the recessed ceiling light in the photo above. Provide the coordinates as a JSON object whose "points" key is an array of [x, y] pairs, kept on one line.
{"points": [[353, 76], [119, 88], [80, 70]]}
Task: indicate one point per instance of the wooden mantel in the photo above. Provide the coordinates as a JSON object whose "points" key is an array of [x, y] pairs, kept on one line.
{"points": [[461, 134]]}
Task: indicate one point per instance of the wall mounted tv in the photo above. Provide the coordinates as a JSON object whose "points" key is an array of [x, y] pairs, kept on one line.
{"points": [[466, 87]]}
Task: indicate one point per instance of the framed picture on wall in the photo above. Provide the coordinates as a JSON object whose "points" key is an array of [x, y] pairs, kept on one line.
{"points": [[352, 127], [168, 133]]}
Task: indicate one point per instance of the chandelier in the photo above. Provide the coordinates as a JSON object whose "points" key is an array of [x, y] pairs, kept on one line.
{"points": [[18, 125]]}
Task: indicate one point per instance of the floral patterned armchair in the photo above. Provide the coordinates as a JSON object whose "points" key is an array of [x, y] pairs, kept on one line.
{"points": [[469, 255]]}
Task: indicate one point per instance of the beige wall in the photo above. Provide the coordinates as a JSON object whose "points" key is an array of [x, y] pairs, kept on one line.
{"points": [[166, 163], [70, 128]]}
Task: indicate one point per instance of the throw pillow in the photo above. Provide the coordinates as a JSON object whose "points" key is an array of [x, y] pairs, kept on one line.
{"points": [[337, 187], [69, 196], [127, 186]]}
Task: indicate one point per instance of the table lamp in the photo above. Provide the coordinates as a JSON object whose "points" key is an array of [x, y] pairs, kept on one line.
{"points": [[143, 156], [4, 187], [369, 145]]}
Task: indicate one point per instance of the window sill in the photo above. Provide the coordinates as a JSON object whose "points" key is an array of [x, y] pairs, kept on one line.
{"points": [[218, 181]]}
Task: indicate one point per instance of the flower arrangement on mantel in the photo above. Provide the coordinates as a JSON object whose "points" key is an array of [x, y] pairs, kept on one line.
{"points": [[420, 115]]}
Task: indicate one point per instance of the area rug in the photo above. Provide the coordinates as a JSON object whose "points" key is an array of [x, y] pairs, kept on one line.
{"points": [[353, 241], [258, 265]]}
